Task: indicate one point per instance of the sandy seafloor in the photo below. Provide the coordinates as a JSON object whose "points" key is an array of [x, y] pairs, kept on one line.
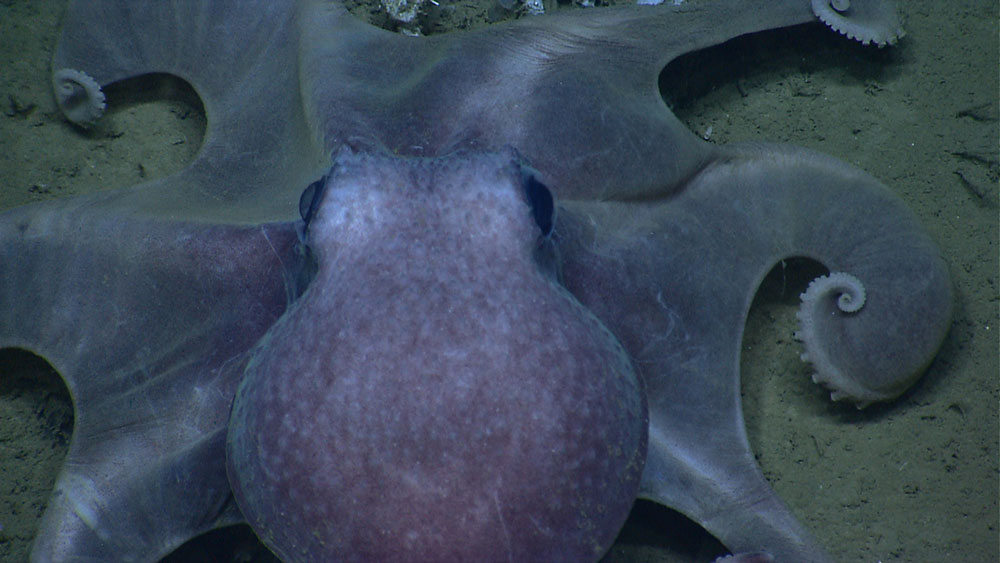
{"points": [[914, 480]]}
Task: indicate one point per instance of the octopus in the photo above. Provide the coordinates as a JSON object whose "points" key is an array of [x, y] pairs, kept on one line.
{"points": [[463, 297]]}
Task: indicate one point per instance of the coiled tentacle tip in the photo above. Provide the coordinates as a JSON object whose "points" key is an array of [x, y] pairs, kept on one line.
{"points": [[79, 96], [867, 21], [826, 301]]}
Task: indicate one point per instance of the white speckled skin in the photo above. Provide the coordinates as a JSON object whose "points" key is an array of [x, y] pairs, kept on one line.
{"points": [[435, 394]]}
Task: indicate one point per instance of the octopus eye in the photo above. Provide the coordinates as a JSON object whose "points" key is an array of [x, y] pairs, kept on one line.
{"points": [[540, 200], [310, 198]]}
